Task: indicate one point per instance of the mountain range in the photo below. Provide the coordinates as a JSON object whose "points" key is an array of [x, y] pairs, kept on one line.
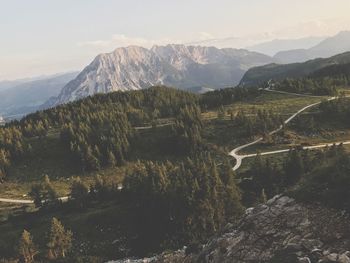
{"points": [[331, 46], [180, 66], [275, 46], [192, 68]]}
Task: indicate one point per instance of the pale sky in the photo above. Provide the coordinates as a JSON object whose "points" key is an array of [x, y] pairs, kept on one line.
{"points": [[41, 37]]}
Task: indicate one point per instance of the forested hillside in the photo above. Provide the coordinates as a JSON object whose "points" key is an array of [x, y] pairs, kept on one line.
{"points": [[177, 196], [95, 129], [259, 75], [144, 171]]}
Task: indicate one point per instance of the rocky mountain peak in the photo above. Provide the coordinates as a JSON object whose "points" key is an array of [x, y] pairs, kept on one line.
{"points": [[133, 67]]}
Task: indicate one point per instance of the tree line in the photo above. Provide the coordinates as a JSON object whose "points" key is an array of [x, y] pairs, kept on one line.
{"points": [[222, 97], [97, 129], [12, 147], [313, 86], [262, 122], [338, 109]]}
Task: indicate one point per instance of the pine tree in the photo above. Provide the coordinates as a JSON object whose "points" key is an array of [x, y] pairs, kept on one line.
{"points": [[27, 250], [2, 175], [232, 199], [111, 159], [263, 197], [99, 188], [43, 194], [79, 192], [60, 240], [293, 167], [92, 162]]}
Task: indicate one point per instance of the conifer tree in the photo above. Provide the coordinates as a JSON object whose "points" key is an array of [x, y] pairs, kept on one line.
{"points": [[43, 194], [111, 159], [60, 240], [27, 249], [294, 167], [263, 197], [79, 192]]}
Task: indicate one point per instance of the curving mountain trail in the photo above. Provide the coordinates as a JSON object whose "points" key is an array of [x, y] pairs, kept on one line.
{"points": [[16, 201], [27, 201], [292, 93], [239, 158], [324, 145]]}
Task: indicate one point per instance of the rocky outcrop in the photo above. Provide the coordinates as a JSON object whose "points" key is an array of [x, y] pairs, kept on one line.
{"points": [[279, 231], [282, 230], [180, 66]]}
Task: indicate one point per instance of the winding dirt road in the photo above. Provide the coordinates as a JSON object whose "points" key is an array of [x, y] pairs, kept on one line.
{"points": [[16, 201], [239, 158], [27, 202]]}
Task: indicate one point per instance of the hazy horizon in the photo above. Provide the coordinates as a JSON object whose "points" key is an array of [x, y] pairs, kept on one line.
{"points": [[48, 37]]}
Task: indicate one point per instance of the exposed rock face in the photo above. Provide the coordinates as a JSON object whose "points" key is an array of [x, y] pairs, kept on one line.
{"points": [[134, 68], [284, 230], [280, 231]]}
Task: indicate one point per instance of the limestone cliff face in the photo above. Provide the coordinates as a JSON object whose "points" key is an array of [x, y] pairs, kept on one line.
{"points": [[280, 231], [181, 66]]}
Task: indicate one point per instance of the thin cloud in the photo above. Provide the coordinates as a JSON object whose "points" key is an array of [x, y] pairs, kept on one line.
{"points": [[324, 27], [121, 40]]}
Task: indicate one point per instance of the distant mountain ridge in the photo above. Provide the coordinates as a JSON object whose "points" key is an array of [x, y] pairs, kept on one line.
{"points": [[331, 46], [7, 84], [296, 70], [25, 96], [180, 66], [271, 48]]}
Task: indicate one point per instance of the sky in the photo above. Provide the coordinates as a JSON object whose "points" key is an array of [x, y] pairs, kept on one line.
{"points": [[43, 37]]}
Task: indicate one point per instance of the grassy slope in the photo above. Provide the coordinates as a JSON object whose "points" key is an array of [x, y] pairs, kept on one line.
{"points": [[223, 133], [329, 130]]}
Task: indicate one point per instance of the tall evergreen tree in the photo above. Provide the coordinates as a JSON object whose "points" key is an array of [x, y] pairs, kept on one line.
{"points": [[26, 248], [43, 194], [60, 240], [294, 167], [79, 192]]}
